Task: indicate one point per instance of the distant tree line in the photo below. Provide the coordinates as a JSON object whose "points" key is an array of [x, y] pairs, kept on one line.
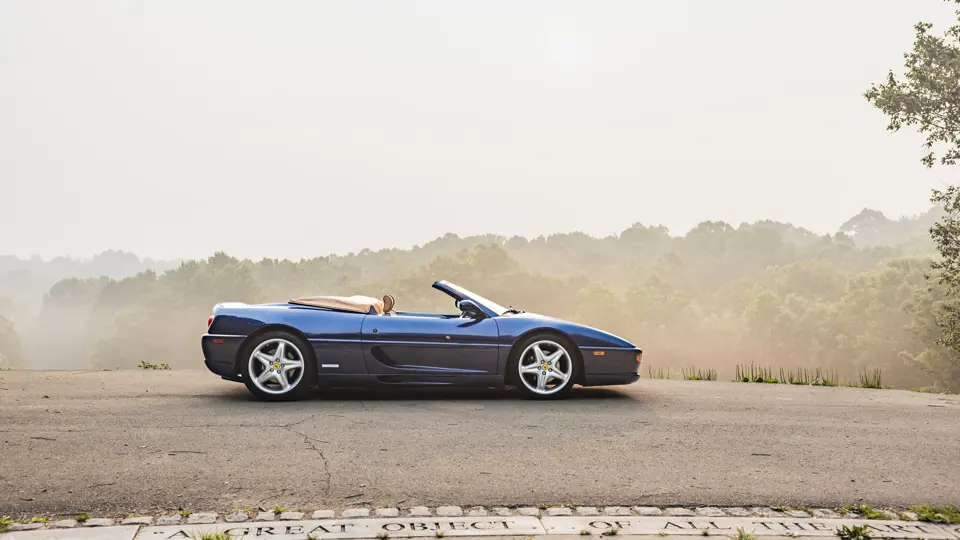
{"points": [[768, 293]]}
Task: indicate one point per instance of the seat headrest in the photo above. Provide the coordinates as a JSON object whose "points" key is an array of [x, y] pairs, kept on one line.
{"points": [[388, 303]]}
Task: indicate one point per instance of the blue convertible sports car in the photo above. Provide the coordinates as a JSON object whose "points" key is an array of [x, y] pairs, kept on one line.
{"points": [[282, 351]]}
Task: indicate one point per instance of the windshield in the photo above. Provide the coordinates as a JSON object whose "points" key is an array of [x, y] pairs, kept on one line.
{"points": [[500, 310]]}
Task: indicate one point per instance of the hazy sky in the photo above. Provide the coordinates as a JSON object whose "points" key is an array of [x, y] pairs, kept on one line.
{"points": [[290, 129]]}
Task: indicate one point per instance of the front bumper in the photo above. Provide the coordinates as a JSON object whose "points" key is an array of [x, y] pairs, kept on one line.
{"points": [[610, 365]]}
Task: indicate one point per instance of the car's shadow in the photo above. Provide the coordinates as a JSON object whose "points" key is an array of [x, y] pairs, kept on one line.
{"points": [[433, 394]]}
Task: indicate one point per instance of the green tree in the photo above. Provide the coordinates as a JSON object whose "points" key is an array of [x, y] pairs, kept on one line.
{"points": [[927, 97]]}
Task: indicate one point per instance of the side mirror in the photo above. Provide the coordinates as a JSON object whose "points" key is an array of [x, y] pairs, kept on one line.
{"points": [[469, 308]]}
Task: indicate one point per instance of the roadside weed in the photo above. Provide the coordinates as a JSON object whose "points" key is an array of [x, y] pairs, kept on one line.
{"points": [[865, 511], [383, 534], [5, 522], [857, 532], [212, 536], [438, 534], [610, 532], [279, 509], [82, 517], [147, 365], [694, 374], [184, 512], [755, 374], [705, 532], [37, 519], [658, 373], [584, 532], [825, 378], [937, 514], [871, 379]]}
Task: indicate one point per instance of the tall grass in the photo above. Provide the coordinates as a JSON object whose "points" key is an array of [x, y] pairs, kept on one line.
{"points": [[694, 374], [658, 373], [871, 378], [755, 374]]}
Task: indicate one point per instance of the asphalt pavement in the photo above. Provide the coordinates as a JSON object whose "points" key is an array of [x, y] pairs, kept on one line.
{"points": [[127, 441]]}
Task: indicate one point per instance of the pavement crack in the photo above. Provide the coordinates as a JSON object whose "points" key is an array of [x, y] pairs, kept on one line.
{"points": [[310, 442]]}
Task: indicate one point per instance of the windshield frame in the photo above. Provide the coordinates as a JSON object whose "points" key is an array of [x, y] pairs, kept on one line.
{"points": [[489, 307]]}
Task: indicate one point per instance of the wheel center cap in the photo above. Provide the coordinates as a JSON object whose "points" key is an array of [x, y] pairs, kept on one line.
{"points": [[544, 366], [276, 366]]}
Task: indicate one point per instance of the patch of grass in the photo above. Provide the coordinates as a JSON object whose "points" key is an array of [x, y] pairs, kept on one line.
{"points": [[438, 534], [694, 374], [610, 532], [312, 537], [5, 523], [584, 532], [383, 534], [857, 532], [871, 379], [742, 534], [705, 532], [937, 514], [37, 519], [795, 376], [865, 511], [658, 373], [755, 374], [147, 365], [82, 517], [780, 508], [184, 512], [279, 509], [212, 536], [825, 378]]}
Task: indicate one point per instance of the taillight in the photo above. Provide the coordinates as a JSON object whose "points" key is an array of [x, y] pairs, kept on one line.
{"points": [[209, 321]]}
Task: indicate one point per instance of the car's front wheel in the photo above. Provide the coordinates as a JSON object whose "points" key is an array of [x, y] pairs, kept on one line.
{"points": [[544, 366], [278, 367]]}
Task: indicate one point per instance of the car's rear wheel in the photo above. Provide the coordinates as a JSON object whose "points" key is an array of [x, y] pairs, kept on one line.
{"points": [[279, 366], [544, 366]]}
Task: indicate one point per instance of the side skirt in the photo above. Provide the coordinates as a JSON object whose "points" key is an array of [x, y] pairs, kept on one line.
{"points": [[334, 380]]}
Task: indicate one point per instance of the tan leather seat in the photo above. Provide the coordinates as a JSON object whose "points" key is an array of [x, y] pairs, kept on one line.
{"points": [[388, 302]]}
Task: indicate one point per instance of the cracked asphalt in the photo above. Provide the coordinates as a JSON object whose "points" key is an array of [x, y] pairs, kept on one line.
{"points": [[124, 441]]}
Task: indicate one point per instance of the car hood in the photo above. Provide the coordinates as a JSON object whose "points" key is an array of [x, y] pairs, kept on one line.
{"points": [[582, 335]]}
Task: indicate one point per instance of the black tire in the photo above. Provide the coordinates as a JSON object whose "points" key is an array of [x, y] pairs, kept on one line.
{"points": [[304, 382], [572, 356]]}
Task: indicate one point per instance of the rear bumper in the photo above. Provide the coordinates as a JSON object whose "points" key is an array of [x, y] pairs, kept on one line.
{"points": [[220, 354]]}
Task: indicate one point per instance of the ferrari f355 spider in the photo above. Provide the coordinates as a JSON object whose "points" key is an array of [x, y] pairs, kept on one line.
{"points": [[285, 350]]}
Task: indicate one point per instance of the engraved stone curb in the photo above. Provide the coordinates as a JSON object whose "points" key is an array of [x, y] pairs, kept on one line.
{"points": [[727, 526], [125, 532], [483, 521], [360, 528]]}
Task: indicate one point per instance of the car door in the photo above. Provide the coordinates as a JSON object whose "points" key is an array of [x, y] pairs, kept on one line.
{"points": [[434, 345]]}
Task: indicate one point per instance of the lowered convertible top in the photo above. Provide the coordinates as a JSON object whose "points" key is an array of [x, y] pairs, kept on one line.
{"points": [[355, 304]]}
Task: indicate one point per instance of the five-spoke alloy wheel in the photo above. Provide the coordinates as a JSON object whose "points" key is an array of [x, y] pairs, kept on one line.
{"points": [[545, 366], [279, 366]]}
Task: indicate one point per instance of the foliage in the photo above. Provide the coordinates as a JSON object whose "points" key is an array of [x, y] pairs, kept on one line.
{"points": [[871, 378], [10, 349], [765, 293], [742, 534], [147, 365], [943, 514], [928, 94], [865, 511], [927, 97], [857, 532], [5, 523], [694, 374]]}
